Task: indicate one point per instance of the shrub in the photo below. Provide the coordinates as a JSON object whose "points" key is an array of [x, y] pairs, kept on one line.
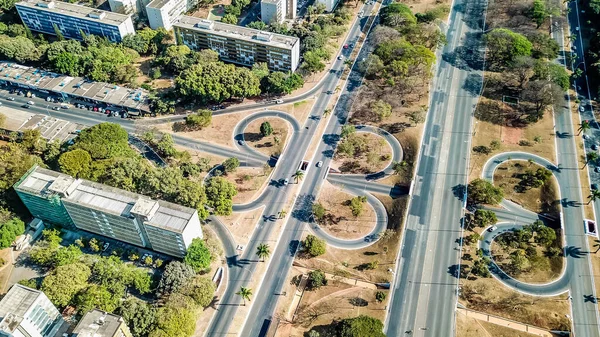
{"points": [[313, 245], [316, 279], [380, 296]]}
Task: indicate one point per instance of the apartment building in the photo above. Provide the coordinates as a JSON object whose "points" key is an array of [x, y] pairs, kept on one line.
{"points": [[273, 11], [239, 45], [71, 20], [163, 13], [121, 215], [129, 7], [27, 312], [96, 323]]}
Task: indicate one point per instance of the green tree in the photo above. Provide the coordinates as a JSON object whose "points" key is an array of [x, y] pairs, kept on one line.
{"points": [[257, 25], [504, 45], [104, 141], [381, 108], [545, 235], [313, 62], [347, 130], [263, 251], [356, 205], [361, 326], [282, 83], [380, 296], [539, 13], [266, 129], [398, 15], [230, 19], [481, 191], [139, 316], [97, 297], [175, 276], [313, 245], [245, 294], [76, 163], [595, 195], [282, 214], [166, 146], [64, 282], [9, 230], [174, 322], [318, 210], [585, 126], [66, 255], [201, 290], [316, 279], [201, 119], [219, 193], [198, 255], [231, 164], [299, 175], [590, 157]]}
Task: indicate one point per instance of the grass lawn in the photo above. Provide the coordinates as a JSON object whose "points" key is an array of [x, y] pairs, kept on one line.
{"points": [[544, 199]]}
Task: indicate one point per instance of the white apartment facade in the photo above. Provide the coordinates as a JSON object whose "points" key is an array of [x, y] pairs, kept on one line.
{"points": [[163, 13], [71, 20]]}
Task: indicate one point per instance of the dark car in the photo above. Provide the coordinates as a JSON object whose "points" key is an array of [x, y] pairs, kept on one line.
{"points": [[594, 186], [221, 107], [595, 147]]}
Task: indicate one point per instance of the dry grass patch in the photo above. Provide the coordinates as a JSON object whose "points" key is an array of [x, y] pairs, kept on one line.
{"points": [[241, 225], [249, 182], [471, 327], [544, 199], [538, 137], [490, 296], [594, 245], [376, 156], [271, 145], [421, 6], [339, 221]]}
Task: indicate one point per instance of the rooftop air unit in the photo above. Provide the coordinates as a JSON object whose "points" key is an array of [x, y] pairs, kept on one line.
{"points": [[45, 4], [264, 36], [205, 24], [96, 14]]}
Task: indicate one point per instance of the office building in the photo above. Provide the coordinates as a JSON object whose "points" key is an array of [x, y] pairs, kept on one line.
{"points": [[27, 312], [121, 215], [71, 20], [329, 4], [98, 323], [75, 89], [163, 13], [273, 11], [239, 45]]}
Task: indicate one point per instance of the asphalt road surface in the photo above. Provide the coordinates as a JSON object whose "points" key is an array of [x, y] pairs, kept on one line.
{"points": [[424, 289]]}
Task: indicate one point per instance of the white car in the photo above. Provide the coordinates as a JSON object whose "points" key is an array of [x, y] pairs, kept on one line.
{"points": [[320, 163], [581, 108], [105, 247], [340, 57], [493, 228], [30, 103], [286, 182], [10, 98], [278, 101]]}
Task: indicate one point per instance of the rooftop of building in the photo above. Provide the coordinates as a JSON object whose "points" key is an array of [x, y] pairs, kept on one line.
{"points": [[271, 1], [98, 323], [15, 304], [237, 32], [78, 11], [50, 128], [75, 86], [105, 198], [158, 3]]}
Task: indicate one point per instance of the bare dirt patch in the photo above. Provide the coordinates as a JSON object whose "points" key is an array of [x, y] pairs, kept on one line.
{"points": [[271, 145], [335, 301], [376, 156], [544, 199], [339, 221], [249, 182], [241, 225], [594, 245]]}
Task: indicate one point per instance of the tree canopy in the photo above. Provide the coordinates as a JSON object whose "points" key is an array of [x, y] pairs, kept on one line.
{"points": [[64, 282], [504, 46], [313, 245], [481, 191], [219, 193], [361, 326], [198, 255]]}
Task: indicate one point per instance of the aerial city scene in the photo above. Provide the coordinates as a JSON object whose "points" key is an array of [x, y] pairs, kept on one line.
{"points": [[299, 168]]}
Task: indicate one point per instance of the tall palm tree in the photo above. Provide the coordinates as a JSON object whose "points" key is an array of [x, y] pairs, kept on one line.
{"points": [[326, 112], [263, 251], [245, 294], [590, 156], [298, 175], [585, 125], [594, 196], [282, 214]]}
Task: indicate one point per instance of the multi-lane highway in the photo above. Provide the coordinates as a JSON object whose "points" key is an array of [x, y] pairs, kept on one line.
{"points": [[424, 290]]}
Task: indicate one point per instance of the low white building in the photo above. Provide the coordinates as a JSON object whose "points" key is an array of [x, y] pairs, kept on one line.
{"points": [[27, 312], [129, 7], [163, 13]]}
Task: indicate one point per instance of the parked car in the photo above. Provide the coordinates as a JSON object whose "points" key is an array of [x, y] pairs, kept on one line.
{"points": [[594, 147], [105, 247], [345, 46], [594, 186], [581, 108]]}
